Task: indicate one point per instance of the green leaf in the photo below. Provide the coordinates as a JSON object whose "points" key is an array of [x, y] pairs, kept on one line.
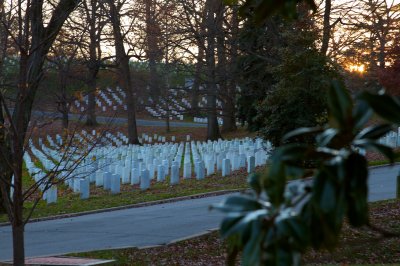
{"points": [[243, 226], [238, 204], [291, 152], [326, 137], [374, 132], [328, 197], [283, 257], [361, 114], [357, 189], [228, 222], [385, 106], [374, 145], [340, 103], [255, 182], [301, 131], [299, 231], [252, 250]]}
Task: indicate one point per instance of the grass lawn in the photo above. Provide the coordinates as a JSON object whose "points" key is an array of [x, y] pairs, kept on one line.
{"points": [[69, 202], [357, 246]]}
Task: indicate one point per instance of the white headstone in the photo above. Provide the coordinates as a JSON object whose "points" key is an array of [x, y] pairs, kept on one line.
{"points": [[135, 176], [226, 167], [99, 178], [115, 184], [174, 174], [200, 170], [144, 180], [251, 163], [84, 188], [187, 170], [160, 173], [107, 180]]}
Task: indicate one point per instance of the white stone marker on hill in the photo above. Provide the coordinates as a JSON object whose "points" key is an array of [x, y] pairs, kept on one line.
{"points": [[226, 167], [200, 170], [115, 184], [125, 175], [107, 181], [84, 188], [160, 173], [187, 170], [251, 163], [135, 176], [99, 178], [51, 196], [144, 180], [76, 185], [174, 174]]}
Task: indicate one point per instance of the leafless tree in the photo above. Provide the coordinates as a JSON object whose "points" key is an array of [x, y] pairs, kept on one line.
{"points": [[125, 75], [33, 38]]}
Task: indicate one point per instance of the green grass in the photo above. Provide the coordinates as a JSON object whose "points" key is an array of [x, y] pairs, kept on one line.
{"points": [[357, 246], [69, 202], [381, 162]]}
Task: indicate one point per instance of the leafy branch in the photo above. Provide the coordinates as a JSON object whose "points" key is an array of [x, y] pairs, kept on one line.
{"points": [[278, 221]]}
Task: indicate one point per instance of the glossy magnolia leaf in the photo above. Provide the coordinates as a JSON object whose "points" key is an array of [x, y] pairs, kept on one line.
{"points": [[284, 256], [357, 201], [385, 106], [242, 226], [294, 171], [328, 197], [299, 231], [291, 152], [340, 103], [361, 114], [252, 250], [238, 204], [325, 138], [374, 132], [293, 227], [228, 222], [301, 132], [274, 183], [254, 181], [374, 145]]}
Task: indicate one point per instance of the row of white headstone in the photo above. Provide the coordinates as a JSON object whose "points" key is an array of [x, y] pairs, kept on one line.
{"points": [[110, 166], [204, 120]]}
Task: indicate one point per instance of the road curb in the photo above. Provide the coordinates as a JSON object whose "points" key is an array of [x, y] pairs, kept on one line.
{"points": [[131, 206]]}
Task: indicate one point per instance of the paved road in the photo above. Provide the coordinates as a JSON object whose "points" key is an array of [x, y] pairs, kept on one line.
{"points": [[144, 226], [118, 120]]}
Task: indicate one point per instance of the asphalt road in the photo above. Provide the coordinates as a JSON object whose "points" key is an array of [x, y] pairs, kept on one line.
{"points": [[139, 227], [117, 120]]}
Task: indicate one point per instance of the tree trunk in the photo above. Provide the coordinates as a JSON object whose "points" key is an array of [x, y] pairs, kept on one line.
{"points": [[229, 108], [91, 111], [213, 132], [65, 118], [326, 34], [382, 52], [18, 244], [3, 40], [18, 220], [36, 42], [93, 64], [152, 50], [124, 73], [196, 82], [168, 129]]}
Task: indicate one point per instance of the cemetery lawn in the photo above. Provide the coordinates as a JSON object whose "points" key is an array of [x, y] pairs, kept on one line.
{"points": [[357, 246], [69, 202]]}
